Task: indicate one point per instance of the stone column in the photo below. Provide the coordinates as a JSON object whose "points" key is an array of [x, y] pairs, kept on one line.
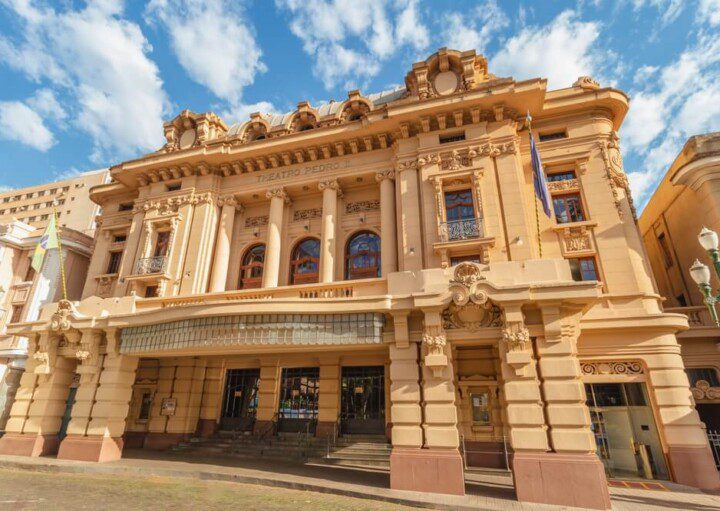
{"points": [[158, 436], [211, 399], [278, 198], [443, 466], [127, 263], [691, 461], [515, 197], [221, 260], [388, 228], [267, 393], [196, 267], [410, 220], [329, 397], [405, 412], [571, 474], [330, 191], [103, 441], [36, 414], [187, 390]]}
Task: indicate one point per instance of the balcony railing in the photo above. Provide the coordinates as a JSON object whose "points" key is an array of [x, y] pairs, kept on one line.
{"points": [[148, 265], [698, 316], [458, 230]]}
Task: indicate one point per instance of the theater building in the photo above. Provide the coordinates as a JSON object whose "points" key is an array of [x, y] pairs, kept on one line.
{"points": [[375, 266]]}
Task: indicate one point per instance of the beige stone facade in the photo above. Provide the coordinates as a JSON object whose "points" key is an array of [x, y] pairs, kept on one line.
{"points": [[388, 238], [33, 205], [687, 200]]}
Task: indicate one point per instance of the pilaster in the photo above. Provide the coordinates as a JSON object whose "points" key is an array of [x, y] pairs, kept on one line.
{"points": [[388, 222], [271, 271], [330, 192], [410, 220], [221, 260], [267, 393]]}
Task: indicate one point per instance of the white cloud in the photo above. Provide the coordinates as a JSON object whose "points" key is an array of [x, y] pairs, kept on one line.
{"points": [[342, 34], [20, 123], [473, 30], [45, 103], [680, 100], [670, 9], [99, 61], [561, 51], [213, 42], [709, 12]]}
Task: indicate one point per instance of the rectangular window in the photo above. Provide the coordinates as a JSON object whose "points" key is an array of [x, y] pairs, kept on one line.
{"points": [[665, 249], [161, 245], [557, 135], [173, 187], [480, 402], [561, 176], [682, 302], [583, 269], [44, 217], [16, 314], [145, 406], [119, 239], [125, 206], [568, 208], [29, 274], [114, 262], [151, 292], [459, 205], [464, 259], [456, 137], [708, 374]]}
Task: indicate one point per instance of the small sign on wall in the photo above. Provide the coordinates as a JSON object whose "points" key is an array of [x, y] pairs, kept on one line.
{"points": [[168, 406]]}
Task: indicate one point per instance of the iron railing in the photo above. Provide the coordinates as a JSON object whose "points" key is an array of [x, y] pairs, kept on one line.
{"points": [[714, 439], [456, 230], [148, 265]]}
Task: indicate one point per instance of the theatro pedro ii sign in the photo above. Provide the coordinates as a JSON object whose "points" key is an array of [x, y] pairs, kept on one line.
{"points": [[302, 171]]}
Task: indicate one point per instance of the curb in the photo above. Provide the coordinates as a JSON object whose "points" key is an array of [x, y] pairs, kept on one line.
{"points": [[206, 475]]}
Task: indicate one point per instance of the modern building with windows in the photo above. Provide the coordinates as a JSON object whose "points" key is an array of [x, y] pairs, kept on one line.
{"points": [[376, 267], [686, 200]]}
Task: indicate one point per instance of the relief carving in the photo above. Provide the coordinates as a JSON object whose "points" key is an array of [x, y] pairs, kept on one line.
{"points": [[703, 390], [611, 367], [362, 206], [615, 173]]}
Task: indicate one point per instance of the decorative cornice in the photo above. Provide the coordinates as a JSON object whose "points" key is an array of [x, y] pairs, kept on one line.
{"points": [[385, 174]]}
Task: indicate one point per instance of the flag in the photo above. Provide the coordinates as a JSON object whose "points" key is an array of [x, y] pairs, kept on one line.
{"points": [[49, 240], [539, 182]]}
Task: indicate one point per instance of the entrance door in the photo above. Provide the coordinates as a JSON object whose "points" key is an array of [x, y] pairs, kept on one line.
{"points": [[68, 411], [241, 399], [298, 407], [362, 402], [625, 433]]}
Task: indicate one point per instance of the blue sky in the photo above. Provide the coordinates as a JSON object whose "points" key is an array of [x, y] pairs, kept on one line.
{"points": [[88, 84]]}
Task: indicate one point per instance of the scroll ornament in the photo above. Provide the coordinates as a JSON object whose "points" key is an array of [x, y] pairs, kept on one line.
{"points": [[434, 341]]}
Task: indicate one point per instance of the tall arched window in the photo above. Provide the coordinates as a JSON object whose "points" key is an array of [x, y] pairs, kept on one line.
{"points": [[251, 270], [362, 259], [305, 262]]}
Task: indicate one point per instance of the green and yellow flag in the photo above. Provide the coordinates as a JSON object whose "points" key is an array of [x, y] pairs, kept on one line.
{"points": [[49, 240]]}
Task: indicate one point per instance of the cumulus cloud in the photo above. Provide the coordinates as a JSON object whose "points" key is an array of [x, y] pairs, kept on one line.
{"points": [[213, 41], [560, 51], [375, 28], [20, 123], [98, 61], [474, 29], [709, 12]]}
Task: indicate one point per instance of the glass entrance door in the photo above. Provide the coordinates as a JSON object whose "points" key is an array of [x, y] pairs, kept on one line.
{"points": [[241, 399], [362, 400], [298, 407], [625, 433]]}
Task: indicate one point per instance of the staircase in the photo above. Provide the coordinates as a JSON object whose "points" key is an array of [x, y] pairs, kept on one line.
{"points": [[361, 451]]}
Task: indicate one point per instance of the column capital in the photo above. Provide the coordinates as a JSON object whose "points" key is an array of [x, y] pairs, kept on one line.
{"points": [[278, 193], [385, 174], [407, 165], [330, 184], [230, 200]]}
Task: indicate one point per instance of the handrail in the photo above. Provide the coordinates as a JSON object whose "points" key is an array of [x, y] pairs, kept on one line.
{"points": [[456, 230]]}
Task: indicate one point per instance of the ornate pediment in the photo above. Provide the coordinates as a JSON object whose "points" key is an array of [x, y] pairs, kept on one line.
{"points": [[190, 130], [471, 307], [60, 321]]}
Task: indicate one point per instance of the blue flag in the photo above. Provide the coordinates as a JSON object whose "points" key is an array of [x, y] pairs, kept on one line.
{"points": [[539, 182]]}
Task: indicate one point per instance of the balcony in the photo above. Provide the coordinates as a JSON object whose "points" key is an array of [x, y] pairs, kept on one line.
{"points": [[150, 265], [460, 230], [699, 319]]}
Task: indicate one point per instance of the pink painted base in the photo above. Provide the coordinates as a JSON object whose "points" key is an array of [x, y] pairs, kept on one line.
{"points": [[576, 480], [162, 441], [427, 470], [694, 466], [207, 427], [325, 429], [28, 445], [90, 448], [134, 439]]}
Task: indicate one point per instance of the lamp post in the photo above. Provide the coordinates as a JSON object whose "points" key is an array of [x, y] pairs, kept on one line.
{"points": [[700, 273]]}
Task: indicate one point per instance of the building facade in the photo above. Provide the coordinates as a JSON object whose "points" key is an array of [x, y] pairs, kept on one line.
{"points": [[377, 265], [23, 292], [33, 205], [688, 199]]}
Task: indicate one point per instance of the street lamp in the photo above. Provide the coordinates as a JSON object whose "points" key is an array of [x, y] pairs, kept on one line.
{"points": [[700, 273]]}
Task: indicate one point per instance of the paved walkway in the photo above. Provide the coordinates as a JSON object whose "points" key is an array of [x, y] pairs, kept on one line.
{"points": [[485, 491]]}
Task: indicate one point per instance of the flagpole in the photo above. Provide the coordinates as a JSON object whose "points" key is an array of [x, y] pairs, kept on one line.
{"points": [[60, 253], [528, 120]]}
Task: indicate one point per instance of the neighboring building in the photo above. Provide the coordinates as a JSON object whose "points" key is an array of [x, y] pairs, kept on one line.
{"points": [[688, 199], [23, 291], [372, 266], [33, 205]]}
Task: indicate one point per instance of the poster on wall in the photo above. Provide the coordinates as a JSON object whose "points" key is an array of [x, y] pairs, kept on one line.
{"points": [[168, 406]]}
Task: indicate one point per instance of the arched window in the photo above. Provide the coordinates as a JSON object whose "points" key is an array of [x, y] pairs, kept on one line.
{"points": [[305, 262], [362, 259], [251, 270]]}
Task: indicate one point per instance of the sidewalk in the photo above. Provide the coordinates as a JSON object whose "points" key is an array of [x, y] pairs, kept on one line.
{"points": [[485, 491]]}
